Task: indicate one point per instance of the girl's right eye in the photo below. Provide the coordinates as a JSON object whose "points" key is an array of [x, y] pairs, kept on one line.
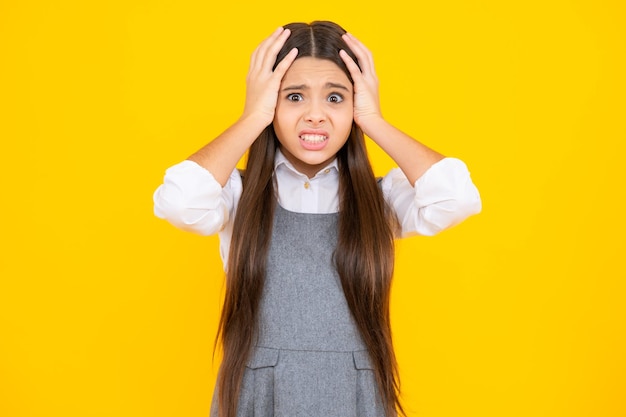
{"points": [[294, 97]]}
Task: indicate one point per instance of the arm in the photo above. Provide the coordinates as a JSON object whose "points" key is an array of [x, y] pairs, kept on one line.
{"points": [[413, 158], [201, 193], [429, 193], [220, 156]]}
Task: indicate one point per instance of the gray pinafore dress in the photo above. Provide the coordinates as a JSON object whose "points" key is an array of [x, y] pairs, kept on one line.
{"points": [[308, 359]]}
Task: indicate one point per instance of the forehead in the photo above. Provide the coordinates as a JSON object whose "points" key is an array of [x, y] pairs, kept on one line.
{"points": [[312, 70]]}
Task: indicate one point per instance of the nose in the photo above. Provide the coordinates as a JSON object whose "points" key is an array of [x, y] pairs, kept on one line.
{"points": [[315, 114]]}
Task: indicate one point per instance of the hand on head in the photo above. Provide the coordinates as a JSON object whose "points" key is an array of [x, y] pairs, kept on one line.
{"points": [[262, 84], [366, 98]]}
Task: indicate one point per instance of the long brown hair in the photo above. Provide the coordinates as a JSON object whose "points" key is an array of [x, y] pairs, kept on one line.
{"points": [[364, 256]]}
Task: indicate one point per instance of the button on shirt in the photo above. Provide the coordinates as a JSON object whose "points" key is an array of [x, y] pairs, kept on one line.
{"points": [[191, 198], [299, 193]]}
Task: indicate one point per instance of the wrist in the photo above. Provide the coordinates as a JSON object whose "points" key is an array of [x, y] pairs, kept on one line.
{"points": [[254, 121], [370, 125]]}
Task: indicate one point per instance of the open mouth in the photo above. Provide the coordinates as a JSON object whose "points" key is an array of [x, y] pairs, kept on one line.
{"points": [[313, 139]]}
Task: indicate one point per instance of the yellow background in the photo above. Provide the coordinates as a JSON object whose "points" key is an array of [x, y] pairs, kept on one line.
{"points": [[106, 310]]}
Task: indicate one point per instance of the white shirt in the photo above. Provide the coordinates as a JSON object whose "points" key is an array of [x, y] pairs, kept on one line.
{"points": [[191, 198]]}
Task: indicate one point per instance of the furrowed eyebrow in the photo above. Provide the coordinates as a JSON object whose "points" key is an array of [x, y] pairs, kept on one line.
{"points": [[335, 85], [306, 87], [295, 87]]}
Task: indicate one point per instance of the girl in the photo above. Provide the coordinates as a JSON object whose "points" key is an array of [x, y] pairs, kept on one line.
{"points": [[306, 232]]}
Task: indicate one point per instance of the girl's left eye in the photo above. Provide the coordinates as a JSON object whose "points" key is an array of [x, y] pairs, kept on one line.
{"points": [[335, 98]]}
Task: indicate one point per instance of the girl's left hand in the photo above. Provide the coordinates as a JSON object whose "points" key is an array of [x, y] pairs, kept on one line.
{"points": [[366, 99]]}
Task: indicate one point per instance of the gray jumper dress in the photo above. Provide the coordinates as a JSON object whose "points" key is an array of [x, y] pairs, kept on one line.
{"points": [[308, 359]]}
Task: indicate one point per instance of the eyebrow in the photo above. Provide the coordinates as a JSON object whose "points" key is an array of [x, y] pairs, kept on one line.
{"points": [[327, 86]]}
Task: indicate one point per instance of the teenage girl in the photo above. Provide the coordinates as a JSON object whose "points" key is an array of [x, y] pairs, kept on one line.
{"points": [[306, 231]]}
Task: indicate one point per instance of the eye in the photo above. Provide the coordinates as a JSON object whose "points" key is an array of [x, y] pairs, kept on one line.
{"points": [[335, 98], [294, 97]]}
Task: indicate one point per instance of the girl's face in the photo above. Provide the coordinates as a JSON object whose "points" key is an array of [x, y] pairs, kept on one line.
{"points": [[314, 113]]}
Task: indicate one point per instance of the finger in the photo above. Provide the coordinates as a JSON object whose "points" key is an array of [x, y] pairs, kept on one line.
{"points": [[355, 72], [253, 60], [364, 50], [358, 50], [363, 54], [272, 52], [286, 62], [259, 53]]}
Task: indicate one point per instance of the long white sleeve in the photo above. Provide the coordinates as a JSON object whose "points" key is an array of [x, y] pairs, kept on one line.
{"points": [[441, 198], [191, 198]]}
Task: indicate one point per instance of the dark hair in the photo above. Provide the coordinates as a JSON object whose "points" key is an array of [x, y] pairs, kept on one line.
{"points": [[319, 39], [364, 256]]}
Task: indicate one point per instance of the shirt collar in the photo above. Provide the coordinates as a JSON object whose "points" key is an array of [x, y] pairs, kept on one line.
{"points": [[281, 160]]}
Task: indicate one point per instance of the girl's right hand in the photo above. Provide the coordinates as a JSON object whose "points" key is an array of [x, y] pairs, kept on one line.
{"points": [[262, 84]]}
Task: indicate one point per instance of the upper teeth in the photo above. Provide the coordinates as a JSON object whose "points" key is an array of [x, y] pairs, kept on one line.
{"points": [[313, 138]]}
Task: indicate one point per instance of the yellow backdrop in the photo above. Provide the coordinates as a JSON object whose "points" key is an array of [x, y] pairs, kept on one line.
{"points": [[106, 310]]}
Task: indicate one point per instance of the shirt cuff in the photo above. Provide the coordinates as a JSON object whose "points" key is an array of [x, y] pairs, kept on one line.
{"points": [[442, 197], [445, 195], [191, 198]]}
